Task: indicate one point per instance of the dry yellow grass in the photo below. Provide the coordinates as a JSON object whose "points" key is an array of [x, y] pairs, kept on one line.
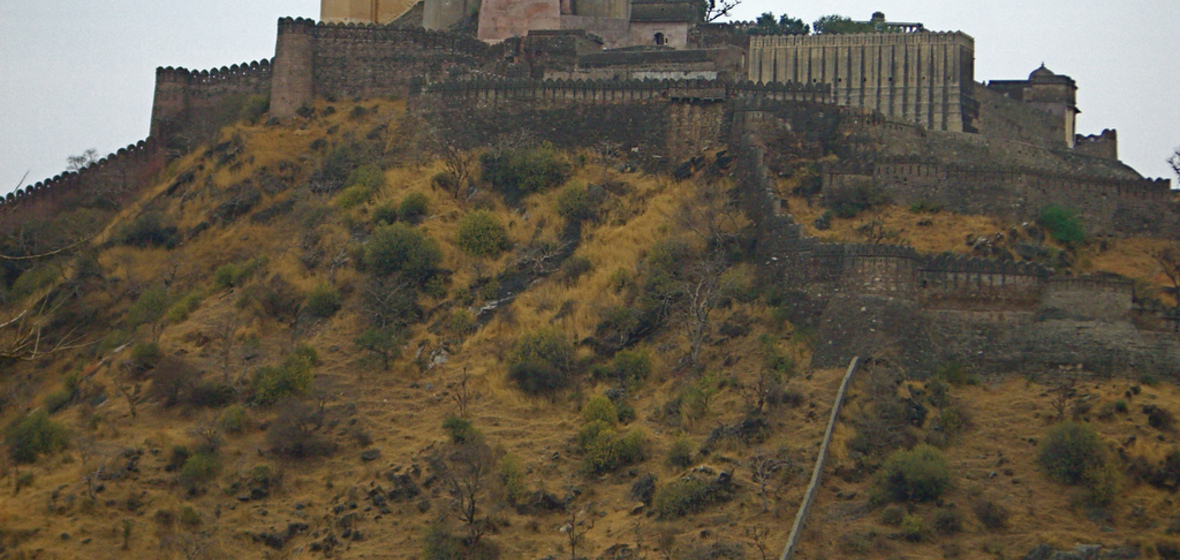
{"points": [[403, 409]]}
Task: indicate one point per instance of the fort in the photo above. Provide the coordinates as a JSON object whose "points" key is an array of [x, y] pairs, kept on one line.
{"points": [[899, 112]]}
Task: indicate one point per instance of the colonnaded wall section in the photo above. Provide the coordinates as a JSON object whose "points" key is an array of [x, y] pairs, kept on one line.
{"points": [[923, 78]]}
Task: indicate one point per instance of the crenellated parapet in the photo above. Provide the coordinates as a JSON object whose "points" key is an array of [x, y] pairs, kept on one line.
{"points": [[110, 178], [195, 103]]}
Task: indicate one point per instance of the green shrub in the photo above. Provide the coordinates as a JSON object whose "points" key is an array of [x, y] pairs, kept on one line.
{"points": [[953, 373], [401, 249], [148, 230], [198, 469], [482, 235], [180, 311], [600, 409], [35, 279], [575, 267], [681, 452], [35, 435], [354, 196], [368, 176], [413, 208], [575, 203], [848, 202], [523, 171], [1121, 406], [627, 367], [385, 213], [233, 419], [607, 451], [211, 395], [541, 362], [442, 545], [537, 378], [918, 475], [190, 517], [340, 163], [150, 307], [322, 301], [235, 275], [685, 496], [58, 400], [893, 516], [913, 528], [1062, 224], [291, 378], [992, 515], [461, 430], [145, 356], [512, 479], [1069, 452], [948, 521]]}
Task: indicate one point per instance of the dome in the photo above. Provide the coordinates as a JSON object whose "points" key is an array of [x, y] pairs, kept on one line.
{"points": [[1041, 72]]}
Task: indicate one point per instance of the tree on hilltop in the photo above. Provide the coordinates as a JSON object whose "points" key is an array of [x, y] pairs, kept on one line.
{"points": [[712, 10]]}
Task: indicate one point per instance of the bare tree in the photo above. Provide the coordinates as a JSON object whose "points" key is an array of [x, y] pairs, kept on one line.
{"points": [[1174, 161], [1061, 395], [875, 232], [574, 534], [764, 471], [82, 161], [710, 214], [458, 163], [703, 286], [759, 537], [224, 328], [24, 337], [464, 469], [132, 393], [461, 393]]}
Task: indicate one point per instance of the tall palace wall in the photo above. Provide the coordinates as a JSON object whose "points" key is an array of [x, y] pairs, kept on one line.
{"points": [[921, 78]]}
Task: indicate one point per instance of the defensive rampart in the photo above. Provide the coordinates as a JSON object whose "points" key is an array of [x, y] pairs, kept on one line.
{"points": [[190, 106], [1105, 206], [660, 121], [361, 61], [924, 311], [106, 181]]}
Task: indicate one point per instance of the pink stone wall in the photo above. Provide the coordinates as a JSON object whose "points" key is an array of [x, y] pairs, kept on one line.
{"points": [[501, 19]]}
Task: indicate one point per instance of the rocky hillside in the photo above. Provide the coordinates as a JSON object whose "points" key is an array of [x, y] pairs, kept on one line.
{"points": [[340, 338]]}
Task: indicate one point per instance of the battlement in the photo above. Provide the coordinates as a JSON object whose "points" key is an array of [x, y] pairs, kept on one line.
{"points": [[1104, 145], [297, 25], [125, 167], [245, 71]]}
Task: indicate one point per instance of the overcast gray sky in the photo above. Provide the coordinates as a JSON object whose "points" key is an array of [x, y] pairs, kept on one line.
{"points": [[79, 75]]}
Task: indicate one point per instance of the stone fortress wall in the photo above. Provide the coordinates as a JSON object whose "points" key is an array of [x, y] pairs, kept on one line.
{"points": [[924, 311], [1106, 206]]}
